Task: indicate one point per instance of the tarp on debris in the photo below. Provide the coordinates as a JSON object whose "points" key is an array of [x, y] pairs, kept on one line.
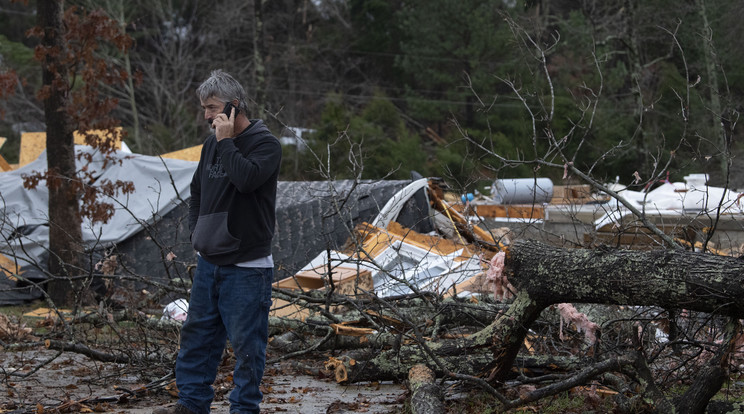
{"points": [[311, 216], [161, 184], [150, 224]]}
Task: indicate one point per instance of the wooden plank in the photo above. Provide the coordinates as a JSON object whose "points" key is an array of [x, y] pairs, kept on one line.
{"points": [[435, 244], [4, 164], [282, 309], [376, 240], [48, 313], [464, 228], [344, 329], [475, 284], [573, 193], [346, 280], [34, 143], [9, 267], [524, 211], [627, 240], [681, 231], [186, 154], [375, 244]]}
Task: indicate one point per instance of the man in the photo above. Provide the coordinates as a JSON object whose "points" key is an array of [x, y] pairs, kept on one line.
{"points": [[231, 217]]}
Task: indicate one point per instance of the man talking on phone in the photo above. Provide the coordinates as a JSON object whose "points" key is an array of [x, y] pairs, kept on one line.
{"points": [[231, 218]]}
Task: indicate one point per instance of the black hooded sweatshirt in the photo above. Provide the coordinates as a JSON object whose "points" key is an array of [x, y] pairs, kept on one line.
{"points": [[233, 196]]}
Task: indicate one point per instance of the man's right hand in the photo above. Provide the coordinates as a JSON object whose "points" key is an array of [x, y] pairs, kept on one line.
{"points": [[224, 127]]}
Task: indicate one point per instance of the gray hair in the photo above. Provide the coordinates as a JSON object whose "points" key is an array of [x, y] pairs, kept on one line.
{"points": [[224, 87]]}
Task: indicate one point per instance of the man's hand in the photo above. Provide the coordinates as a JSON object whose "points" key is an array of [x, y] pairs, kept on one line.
{"points": [[224, 127]]}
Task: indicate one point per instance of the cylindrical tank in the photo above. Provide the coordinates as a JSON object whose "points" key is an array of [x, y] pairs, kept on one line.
{"points": [[522, 190]]}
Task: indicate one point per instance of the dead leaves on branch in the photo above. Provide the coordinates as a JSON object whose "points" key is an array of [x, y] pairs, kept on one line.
{"points": [[11, 331]]}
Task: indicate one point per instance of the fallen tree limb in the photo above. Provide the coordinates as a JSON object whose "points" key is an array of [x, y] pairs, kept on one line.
{"points": [[671, 279], [445, 312], [87, 351], [542, 276], [394, 365], [581, 377], [711, 376], [426, 396], [371, 364]]}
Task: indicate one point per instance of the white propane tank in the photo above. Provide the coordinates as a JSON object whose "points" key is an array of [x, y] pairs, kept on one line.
{"points": [[522, 190]]}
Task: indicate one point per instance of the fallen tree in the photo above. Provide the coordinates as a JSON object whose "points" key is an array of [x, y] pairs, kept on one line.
{"points": [[426, 396], [540, 276]]}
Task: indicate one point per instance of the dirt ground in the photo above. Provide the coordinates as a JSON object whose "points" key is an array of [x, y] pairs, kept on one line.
{"points": [[73, 383]]}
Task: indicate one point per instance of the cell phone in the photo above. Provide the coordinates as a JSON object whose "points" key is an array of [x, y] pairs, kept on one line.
{"points": [[228, 107]]}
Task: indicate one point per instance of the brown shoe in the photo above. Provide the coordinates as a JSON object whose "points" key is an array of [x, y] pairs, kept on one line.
{"points": [[175, 409]]}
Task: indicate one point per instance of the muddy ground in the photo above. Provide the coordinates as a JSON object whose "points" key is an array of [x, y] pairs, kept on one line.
{"points": [[73, 383]]}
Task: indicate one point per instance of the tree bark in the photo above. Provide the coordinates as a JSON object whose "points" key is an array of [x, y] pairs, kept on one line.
{"points": [[259, 54], [393, 365], [711, 71], [542, 276], [426, 396], [65, 234], [711, 377], [671, 279]]}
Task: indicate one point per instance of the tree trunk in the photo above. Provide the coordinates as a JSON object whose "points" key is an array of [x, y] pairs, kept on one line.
{"points": [[426, 396], [672, 279], [715, 98], [711, 378], [542, 276], [65, 234], [393, 365], [259, 54]]}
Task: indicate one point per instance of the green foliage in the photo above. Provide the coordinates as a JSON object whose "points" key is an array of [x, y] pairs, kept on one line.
{"points": [[374, 143], [16, 54], [9, 150], [16, 18], [454, 163], [448, 48], [376, 37], [646, 118], [442, 63]]}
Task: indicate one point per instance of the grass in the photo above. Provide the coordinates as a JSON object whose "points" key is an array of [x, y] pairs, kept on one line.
{"points": [[19, 310]]}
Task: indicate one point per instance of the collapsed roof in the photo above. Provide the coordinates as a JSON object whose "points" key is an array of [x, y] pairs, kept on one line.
{"points": [[150, 223]]}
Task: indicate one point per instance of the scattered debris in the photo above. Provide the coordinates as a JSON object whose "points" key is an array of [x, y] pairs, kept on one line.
{"points": [[176, 310], [13, 331]]}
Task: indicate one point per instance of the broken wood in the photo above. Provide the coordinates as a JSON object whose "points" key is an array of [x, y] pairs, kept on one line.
{"points": [[542, 276], [426, 396], [471, 233], [91, 353], [393, 365], [451, 312], [671, 279]]}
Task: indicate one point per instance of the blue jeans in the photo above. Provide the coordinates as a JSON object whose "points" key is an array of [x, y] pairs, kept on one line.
{"points": [[226, 302]]}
